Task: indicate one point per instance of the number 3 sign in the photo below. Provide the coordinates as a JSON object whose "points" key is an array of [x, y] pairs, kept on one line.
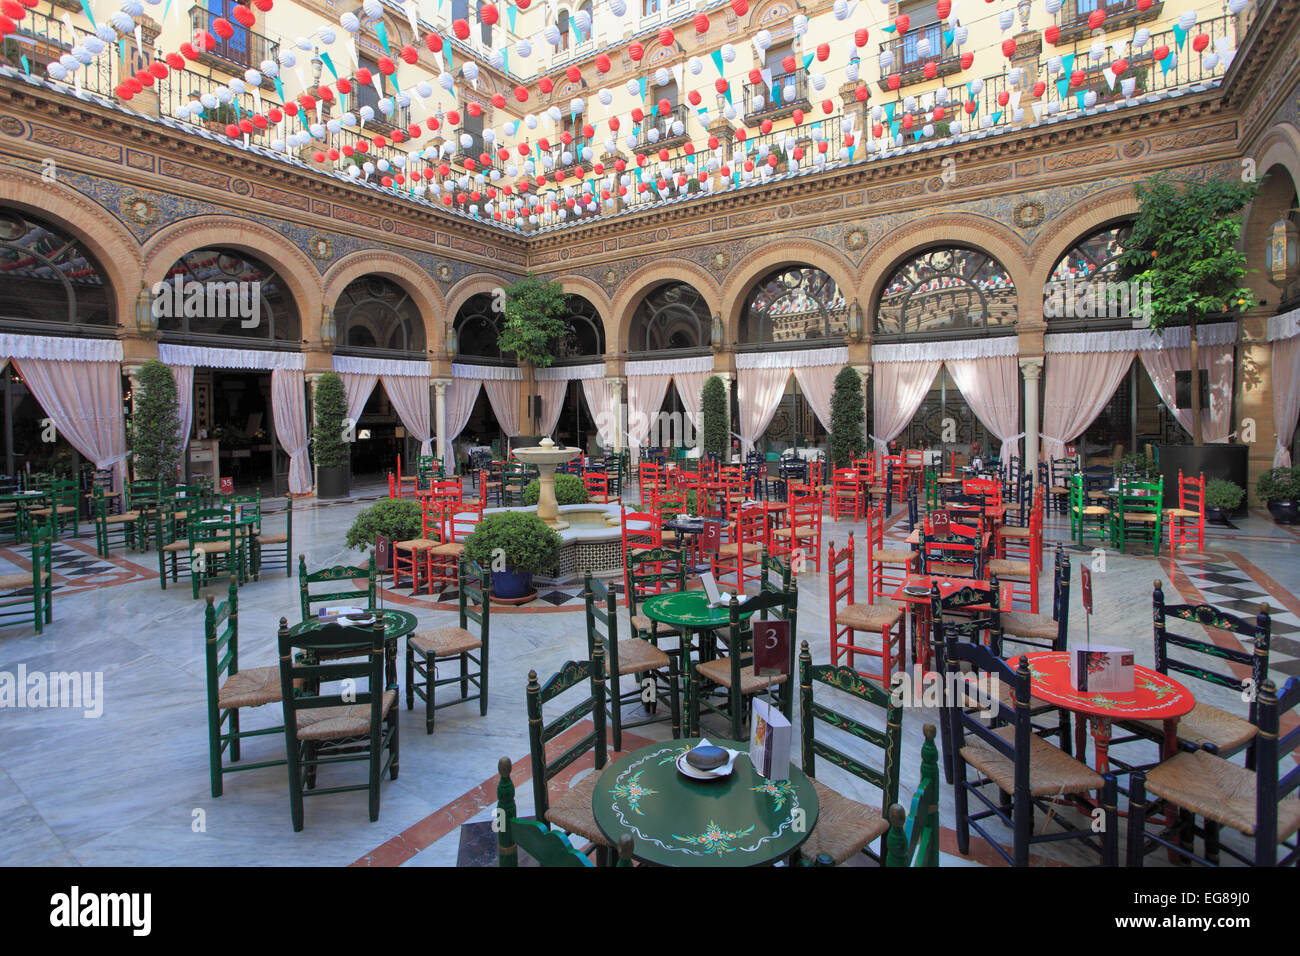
{"points": [[771, 648]]}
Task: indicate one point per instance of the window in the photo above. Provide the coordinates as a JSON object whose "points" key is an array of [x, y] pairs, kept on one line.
{"points": [[485, 29], [478, 326], [374, 312], [460, 10], [947, 290], [235, 288], [562, 23], [649, 8], [236, 48], [366, 94], [671, 316], [49, 277], [792, 305], [924, 23]]}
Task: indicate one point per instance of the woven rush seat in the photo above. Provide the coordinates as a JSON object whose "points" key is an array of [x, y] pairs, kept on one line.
{"points": [[870, 617], [1051, 771], [1206, 724], [1211, 787], [1145, 517], [212, 546], [636, 655], [1099, 495], [1181, 513], [333, 723], [571, 810], [1096, 510], [1024, 624], [10, 581], [719, 671], [119, 519], [843, 826], [444, 642], [1059, 490], [894, 555], [1013, 532], [1008, 569], [278, 537], [251, 687], [948, 481], [736, 547], [61, 509], [450, 549]]}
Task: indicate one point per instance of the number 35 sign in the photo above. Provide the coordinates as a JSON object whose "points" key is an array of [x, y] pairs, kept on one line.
{"points": [[771, 648]]}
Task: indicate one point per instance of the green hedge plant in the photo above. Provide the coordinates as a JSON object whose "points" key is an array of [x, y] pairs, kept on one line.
{"points": [[847, 438], [329, 448], [569, 490], [713, 415], [523, 541], [397, 519], [1279, 484], [155, 423], [1220, 493]]}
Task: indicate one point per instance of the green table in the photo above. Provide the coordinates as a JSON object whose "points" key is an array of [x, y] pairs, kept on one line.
{"points": [[688, 610], [397, 624], [740, 820]]}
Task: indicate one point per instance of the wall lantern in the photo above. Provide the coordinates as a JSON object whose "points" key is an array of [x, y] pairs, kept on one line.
{"points": [[145, 320], [451, 341], [1282, 255], [855, 321], [329, 329], [715, 336]]}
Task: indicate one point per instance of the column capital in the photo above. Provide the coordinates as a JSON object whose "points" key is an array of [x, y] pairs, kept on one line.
{"points": [[1031, 366], [440, 385], [863, 370]]}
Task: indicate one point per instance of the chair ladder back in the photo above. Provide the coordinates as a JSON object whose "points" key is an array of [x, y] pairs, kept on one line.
{"points": [[568, 676], [474, 600], [337, 573]]}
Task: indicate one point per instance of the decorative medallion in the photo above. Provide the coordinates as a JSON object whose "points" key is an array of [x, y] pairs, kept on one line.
{"points": [[661, 235], [141, 210], [856, 239], [720, 261], [611, 279], [443, 272], [386, 225], [320, 247], [1134, 148], [1029, 214], [11, 126], [783, 212], [934, 184], [240, 187]]}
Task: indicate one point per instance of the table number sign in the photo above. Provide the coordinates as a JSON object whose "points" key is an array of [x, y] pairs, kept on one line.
{"points": [[711, 537], [1085, 579], [1099, 667], [941, 522], [382, 544], [771, 648], [227, 486]]}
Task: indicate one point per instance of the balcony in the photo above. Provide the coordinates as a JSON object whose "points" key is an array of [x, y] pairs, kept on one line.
{"points": [[663, 123], [1121, 15], [910, 65], [789, 92], [399, 118], [245, 49], [475, 151]]}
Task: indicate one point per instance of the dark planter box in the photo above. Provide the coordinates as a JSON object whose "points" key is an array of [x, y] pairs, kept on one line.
{"points": [[332, 482], [1230, 462]]}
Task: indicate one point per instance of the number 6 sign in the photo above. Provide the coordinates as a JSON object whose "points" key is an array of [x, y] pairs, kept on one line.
{"points": [[771, 648]]}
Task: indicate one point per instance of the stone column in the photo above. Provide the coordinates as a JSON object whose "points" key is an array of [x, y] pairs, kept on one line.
{"points": [[440, 415], [616, 387], [1031, 366]]}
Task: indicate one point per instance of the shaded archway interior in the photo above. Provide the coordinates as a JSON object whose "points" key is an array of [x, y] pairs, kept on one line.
{"points": [[794, 304], [226, 293], [671, 317], [374, 314], [48, 280], [946, 291]]}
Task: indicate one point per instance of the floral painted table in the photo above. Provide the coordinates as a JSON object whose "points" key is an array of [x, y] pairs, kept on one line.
{"points": [[1155, 696], [740, 820]]}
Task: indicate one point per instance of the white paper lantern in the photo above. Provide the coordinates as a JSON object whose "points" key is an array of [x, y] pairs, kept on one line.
{"points": [[583, 19], [497, 59], [524, 48], [1128, 85], [759, 102], [446, 81], [304, 44], [577, 105], [1005, 19], [841, 9], [1096, 51], [695, 65], [554, 114], [334, 126], [923, 47], [469, 70], [851, 71], [618, 7], [1054, 65], [208, 101], [679, 128], [133, 8], [976, 87], [1211, 60], [253, 78], [269, 68], [652, 134], [317, 130], [1141, 37], [886, 60], [288, 59], [237, 87], [986, 122], [927, 130], [122, 21], [551, 34], [106, 32], [403, 100], [56, 70], [817, 81], [605, 97], [386, 105], [349, 120], [662, 76], [763, 40], [630, 140], [367, 113], [632, 87], [353, 171], [326, 35], [1187, 20], [1013, 76], [1236, 6], [489, 136], [960, 33], [728, 53], [94, 45], [350, 22], [729, 111], [1053, 6], [566, 158]]}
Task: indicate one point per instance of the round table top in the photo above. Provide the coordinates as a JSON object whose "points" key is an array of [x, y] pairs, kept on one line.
{"points": [[1155, 696], [688, 526], [396, 624], [739, 820], [687, 609]]}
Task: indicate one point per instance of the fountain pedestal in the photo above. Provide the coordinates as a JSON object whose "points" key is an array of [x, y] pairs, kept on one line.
{"points": [[547, 456]]}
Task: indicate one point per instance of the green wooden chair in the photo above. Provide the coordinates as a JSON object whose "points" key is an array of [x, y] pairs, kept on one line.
{"points": [[123, 530], [277, 546], [844, 826], [647, 573], [1086, 516], [214, 545], [231, 689], [514, 479], [356, 723], [1138, 513], [37, 606], [546, 846], [734, 672], [570, 809], [425, 650], [144, 497], [330, 576], [636, 655], [64, 507], [914, 837]]}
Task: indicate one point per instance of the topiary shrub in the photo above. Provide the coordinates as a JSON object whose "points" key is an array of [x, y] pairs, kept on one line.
{"points": [[1220, 493], [847, 437], [513, 541], [713, 416], [397, 519], [155, 421], [569, 490], [1279, 484], [329, 448]]}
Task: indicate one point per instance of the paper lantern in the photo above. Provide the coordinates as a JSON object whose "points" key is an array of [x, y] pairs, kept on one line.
{"points": [[893, 81], [488, 14], [1040, 88], [720, 85], [728, 53], [861, 92], [1096, 19], [326, 35], [637, 114], [755, 76], [1119, 66], [474, 110], [387, 66], [943, 8], [797, 116], [901, 23], [524, 48], [1200, 42], [1187, 19], [823, 52], [666, 37], [1077, 78], [263, 5], [636, 51], [573, 74], [460, 28], [1003, 98], [188, 51], [788, 64], [740, 7], [223, 28], [693, 97], [960, 33], [860, 37], [1161, 53], [521, 94], [695, 65], [176, 61], [364, 76], [1053, 6], [545, 85], [664, 107], [1052, 34], [409, 53], [1009, 47], [242, 15], [453, 118], [1005, 19], [602, 63]]}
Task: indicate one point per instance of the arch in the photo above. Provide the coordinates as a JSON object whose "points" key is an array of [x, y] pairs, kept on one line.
{"points": [[653, 274], [1077, 222], [261, 242], [1276, 200], [417, 283], [115, 249], [466, 289], [593, 293], [787, 251]]}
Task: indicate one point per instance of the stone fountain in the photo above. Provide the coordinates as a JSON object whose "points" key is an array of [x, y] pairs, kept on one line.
{"points": [[546, 456]]}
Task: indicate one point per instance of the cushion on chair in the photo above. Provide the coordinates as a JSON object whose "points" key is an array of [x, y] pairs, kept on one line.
{"points": [[444, 642], [869, 617], [570, 810], [251, 687], [843, 826], [636, 655], [1008, 569], [1024, 624], [719, 671], [1218, 790], [1206, 724], [1051, 770], [347, 720]]}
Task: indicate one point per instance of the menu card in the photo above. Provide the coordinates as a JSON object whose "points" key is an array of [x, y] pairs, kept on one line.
{"points": [[1102, 668], [769, 741]]}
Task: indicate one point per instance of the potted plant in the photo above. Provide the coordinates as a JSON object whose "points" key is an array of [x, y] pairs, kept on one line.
{"points": [[397, 519], [155, 424], [846, 438], [1280, 489], [329, 447], [514, 545], [569, 490], [713, 416], [1222, 498]]}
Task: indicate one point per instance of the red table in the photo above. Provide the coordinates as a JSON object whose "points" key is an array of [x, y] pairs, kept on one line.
{"points": [[919, 604], [1155, 696]]}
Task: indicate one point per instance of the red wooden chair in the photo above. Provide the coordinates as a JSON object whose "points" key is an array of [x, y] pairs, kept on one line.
{"points": [[411, 556], [846, 494], [597, 485], [1187, 521], [887, 568], [403, 485], [650, 478], [646, 534], [459, 518], [743, 556], [801, 538], [1023, 574], [848, 617]]}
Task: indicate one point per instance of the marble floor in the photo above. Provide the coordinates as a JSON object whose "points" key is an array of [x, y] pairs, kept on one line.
{"points": [[130, 786]]}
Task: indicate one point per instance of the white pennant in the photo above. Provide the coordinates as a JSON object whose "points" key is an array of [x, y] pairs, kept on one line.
{"points": [[1037, 107], [352, 48], [1109, 74], [139, 42], [1015, 99], [410, 15]]}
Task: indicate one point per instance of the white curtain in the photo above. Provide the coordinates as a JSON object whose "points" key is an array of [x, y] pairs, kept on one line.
{"points": [[184, 375], [357, 387], [758, 391], [645, 396], [898, 388], [1286, 396], [289, 408], [600, 403], [462, 393], [689, 385], [552, 393], [991, 387], [1216, 361], [84, 402], [504, 396], [1077, 386], [410, 396], [818, 385]]}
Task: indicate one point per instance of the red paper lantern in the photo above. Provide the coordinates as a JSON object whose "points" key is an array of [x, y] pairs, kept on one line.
{"points": [[188, 51], [432, 124], [13, 10], [545, 84], [755, 76], [453, 117], [364, 76], [206, 40], [588, 131], [1119, 66], [461, 29], [498, 100], [971, 106], [967, 59], [1003, 98], [901, 23], [713, 142], [144, 78], [908, 122], [348, 151], [1077, 78], [861, 93], [325, 93], [387, 181], [827, 107], [1052, 34], [602, 63], [1040, 88], [362, 146], [566, 137], [259, 121], [878, 130], [637, 115], [798, 153], [614, 124], [797, 116], [665, 107], [635, 51], [334, 155], [689, 149], [943, 8], [433, 41], [930, 70], [1144, 5], [740, 135], [409, 53], [503, 154], [275, 114], [765, 127], [1009, 47], [488, 14], [223, 28], [939, 113], [693, 97], [176, 61], [387, 66], [244, 16], [726, 172], [740, 7], [663, 155], [1161, 53], [122, 90], [860, 36], [380, 142], [573, 74], [398, 136], [1200, 42], [788, 64], [720, 85], [749, 165], [291, 108], [263, 5], [893, 81], [701, 23], [823, 52], [318, 155], [666, 37], [521, 94], [1096, 19], [344, 85], [159, 69]]}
